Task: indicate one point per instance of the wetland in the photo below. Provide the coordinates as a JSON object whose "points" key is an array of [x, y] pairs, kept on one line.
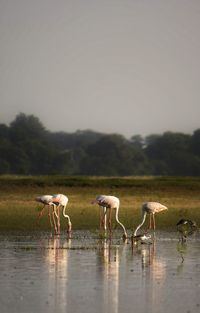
{"points": [[40, 272]]}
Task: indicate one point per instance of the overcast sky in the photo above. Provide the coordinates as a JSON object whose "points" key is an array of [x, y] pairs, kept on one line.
{"points": [[124, 66]]}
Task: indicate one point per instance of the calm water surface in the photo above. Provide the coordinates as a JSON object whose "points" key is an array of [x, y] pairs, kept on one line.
{"points": [[44, 274]]}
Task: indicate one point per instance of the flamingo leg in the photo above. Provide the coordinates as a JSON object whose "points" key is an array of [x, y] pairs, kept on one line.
{"points": [[54, 213], [58, 220], [100, 219], [110, 221], [105, 219], [154, 224], [40, 214], [49, 214], [150, 217]]}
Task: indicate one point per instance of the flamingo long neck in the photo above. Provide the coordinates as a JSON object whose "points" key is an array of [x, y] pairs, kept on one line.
{"points": [[140, 225], [65, 215], [117, 219]]}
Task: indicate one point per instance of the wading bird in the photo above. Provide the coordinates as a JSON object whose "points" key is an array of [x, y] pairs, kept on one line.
{"points": [[150, 208], [61, 201], [47, 201], [108, 203], [56, 201], [186, 228], [143, 238]]}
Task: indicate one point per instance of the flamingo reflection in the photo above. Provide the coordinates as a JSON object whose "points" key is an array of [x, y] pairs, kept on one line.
{"points": [[150, 259], [57, 263], [109, 256]]}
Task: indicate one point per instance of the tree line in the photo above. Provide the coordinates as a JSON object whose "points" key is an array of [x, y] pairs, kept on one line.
{"points": [[28, 148]]}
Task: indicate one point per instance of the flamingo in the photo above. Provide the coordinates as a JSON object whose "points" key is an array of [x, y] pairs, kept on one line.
{"points": [[47, 201], [109, 203], [57, 201], [150, 208], [61, 200]]}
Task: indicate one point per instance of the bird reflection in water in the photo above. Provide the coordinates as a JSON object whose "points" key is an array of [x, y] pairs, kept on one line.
{"points": [[57, 267], [107, 252], [57, 255], [182, 249], [108, 260], [149, 259], [144, 247]]}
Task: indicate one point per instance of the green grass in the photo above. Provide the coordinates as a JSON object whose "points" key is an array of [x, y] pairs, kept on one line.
{"points": [[18, 209]]}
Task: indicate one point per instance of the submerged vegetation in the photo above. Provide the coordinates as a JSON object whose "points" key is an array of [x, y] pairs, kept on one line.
{"points": [[19, 210]]}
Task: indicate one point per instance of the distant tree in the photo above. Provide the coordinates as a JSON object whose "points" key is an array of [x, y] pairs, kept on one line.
{"points": [[5, 146], [4, 166], [18, 160], [112, 155], [41, 156], [196, 142], [103, 156], [26, 127], [4, 133], [63, 140], [26, 147], [151, 140], [137, 141], [169, 153]]}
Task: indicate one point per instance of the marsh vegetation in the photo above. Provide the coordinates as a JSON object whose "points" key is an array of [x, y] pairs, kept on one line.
{"points": [[18, 209]]}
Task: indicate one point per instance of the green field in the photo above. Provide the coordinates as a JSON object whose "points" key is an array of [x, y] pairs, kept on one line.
{"points": [[19, 210]]}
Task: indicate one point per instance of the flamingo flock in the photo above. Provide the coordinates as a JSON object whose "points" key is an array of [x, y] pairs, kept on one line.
{"points": [[107, 205], [54, 204]]}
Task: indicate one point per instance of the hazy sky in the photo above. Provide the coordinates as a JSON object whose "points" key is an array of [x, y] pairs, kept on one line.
{"points": [[125, 66]]}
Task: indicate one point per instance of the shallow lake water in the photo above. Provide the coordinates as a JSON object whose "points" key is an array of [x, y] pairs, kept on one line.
{"points": [[39, 273]]}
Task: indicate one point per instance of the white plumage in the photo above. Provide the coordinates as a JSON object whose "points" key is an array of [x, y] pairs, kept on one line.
{"points": [[61, 201], [108, 203], [47, 201], [56, 201], [150, 208]]}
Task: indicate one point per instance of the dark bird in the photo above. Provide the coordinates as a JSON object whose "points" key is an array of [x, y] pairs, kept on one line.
{"points": [[143, 239], [186, 228]]}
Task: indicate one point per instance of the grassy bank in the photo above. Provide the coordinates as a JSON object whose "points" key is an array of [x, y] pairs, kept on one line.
{"points": [[18, 210]]}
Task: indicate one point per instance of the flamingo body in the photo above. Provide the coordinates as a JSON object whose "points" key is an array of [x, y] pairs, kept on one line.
{"points": [[47, 201], [153, 207], [150, 208], [60, 199], [108, 203]]}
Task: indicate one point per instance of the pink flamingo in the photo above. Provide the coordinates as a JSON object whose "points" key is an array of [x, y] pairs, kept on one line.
{"points": [[108, 203]]}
